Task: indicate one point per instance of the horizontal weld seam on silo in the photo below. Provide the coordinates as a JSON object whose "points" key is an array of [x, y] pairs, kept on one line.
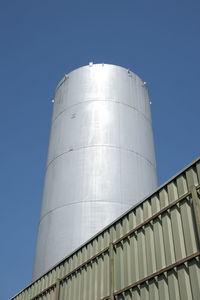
{"points": [[66, 76], [106, 100], [101, 145], [83, 202]]}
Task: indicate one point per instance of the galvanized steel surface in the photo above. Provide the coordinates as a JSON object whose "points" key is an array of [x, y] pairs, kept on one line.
{"points": [[101, 158], [152, 252]]}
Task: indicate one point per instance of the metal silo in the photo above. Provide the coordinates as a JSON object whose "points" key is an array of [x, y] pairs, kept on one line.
{"points": [[100, 160]]}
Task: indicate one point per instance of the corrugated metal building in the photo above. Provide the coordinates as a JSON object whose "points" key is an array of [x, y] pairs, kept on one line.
{"points": [[151, 252]]}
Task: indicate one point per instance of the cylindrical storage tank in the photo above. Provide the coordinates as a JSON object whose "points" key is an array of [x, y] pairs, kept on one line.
{"points": [[100, 161]]}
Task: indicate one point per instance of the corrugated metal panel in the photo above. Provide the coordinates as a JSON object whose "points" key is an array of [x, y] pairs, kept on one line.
{"points": [[151, 252]]}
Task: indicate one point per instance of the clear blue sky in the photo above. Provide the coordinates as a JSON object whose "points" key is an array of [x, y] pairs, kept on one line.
{"points": [[41, 40]]}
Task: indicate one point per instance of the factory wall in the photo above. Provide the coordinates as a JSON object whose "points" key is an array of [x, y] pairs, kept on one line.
{"points": [[152, 252]]}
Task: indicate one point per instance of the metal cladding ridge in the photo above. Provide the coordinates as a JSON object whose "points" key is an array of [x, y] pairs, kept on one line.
{"points": [[101, 158]]}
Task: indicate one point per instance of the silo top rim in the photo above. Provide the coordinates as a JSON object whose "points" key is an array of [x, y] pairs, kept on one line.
{"points": [[92, 65]]}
